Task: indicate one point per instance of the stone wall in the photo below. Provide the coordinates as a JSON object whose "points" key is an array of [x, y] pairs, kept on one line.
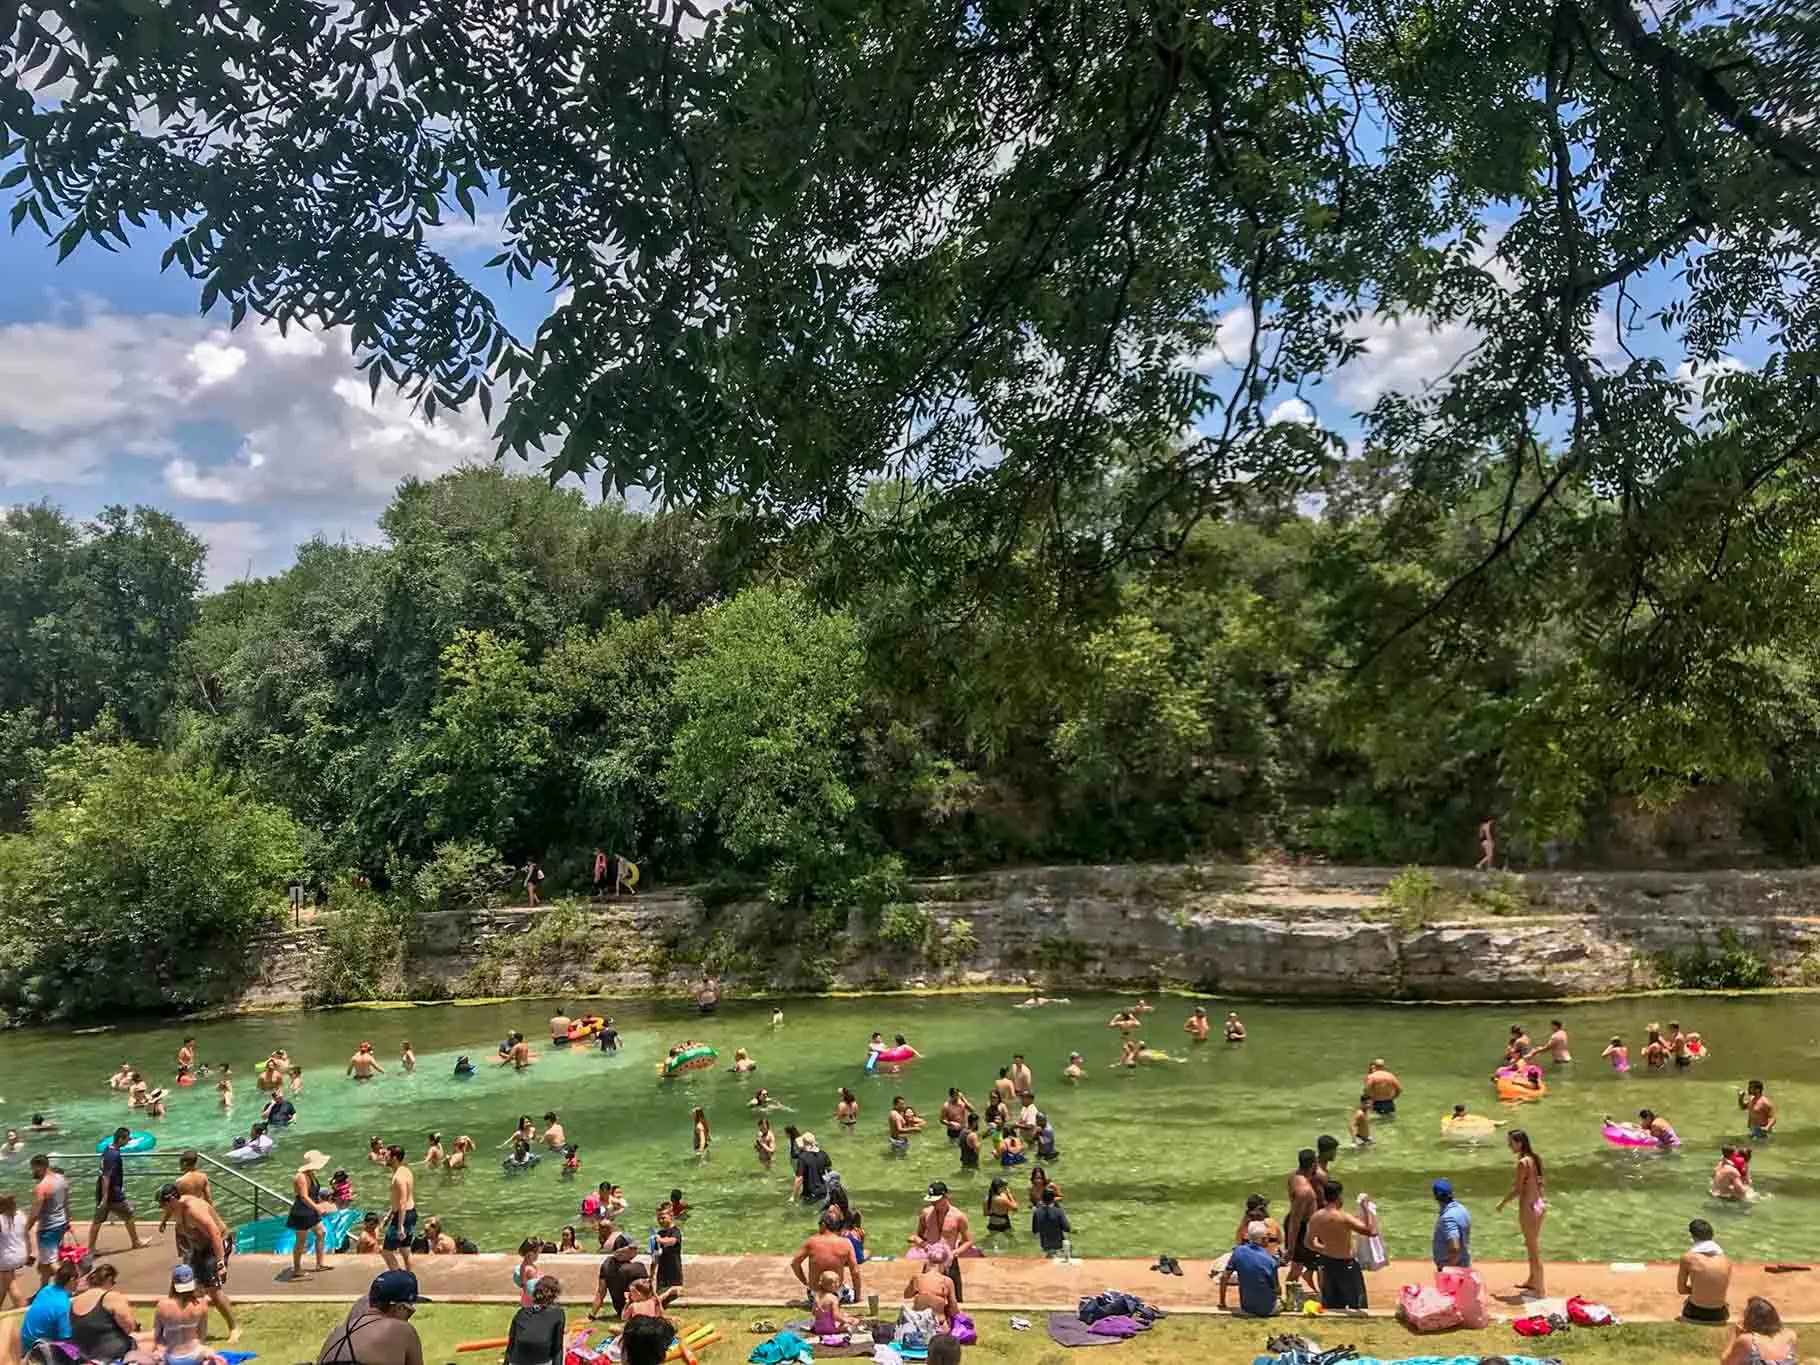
{"points": [[1307, 932]]}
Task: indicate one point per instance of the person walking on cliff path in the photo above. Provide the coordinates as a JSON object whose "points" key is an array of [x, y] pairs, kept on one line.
{"points": [[533, 875], [1488, 845]]}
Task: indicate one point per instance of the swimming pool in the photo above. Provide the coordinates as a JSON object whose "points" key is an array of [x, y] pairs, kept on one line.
{"points": [[1156, 1160]]}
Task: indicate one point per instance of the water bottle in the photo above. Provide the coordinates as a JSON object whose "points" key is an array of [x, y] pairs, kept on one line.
{"points": [[1067, 1248]]}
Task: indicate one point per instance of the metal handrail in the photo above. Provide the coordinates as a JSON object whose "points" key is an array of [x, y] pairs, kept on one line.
{"points": [[225, 1176]]}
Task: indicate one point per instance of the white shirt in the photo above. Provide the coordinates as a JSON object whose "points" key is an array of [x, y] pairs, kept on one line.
{"points": [[12, 1242]]}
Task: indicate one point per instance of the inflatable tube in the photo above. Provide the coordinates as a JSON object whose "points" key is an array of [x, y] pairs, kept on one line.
{"points": [[871, 1062], [1154, 1054], [140, 1141], [510, 1165], [186, 1079], [1471, 1126], [689, 1059], [1509, 1088], [269, 1236], [578, 1032], [1630, 1135], [892, 1055], [1696, 1049]]}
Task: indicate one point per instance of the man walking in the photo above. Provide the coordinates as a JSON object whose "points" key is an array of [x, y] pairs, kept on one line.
{"points": [[1453, 1228], [110, 1192]]}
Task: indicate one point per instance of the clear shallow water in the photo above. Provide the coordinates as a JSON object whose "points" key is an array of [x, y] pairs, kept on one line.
{"points": [[1154, 1160]]}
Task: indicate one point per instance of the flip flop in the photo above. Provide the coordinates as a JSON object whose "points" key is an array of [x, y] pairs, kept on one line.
{"points": [[762, 1326]]}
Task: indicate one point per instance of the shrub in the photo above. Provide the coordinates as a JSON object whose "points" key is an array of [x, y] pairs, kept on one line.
{"points": [[462, 874], [954, 944], [1500, 893], [905, 927], [1725, 966], [1414, 897], [365, 943]]}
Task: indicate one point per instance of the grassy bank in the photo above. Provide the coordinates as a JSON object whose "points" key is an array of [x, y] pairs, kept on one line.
{"points": [[294, 1332]]}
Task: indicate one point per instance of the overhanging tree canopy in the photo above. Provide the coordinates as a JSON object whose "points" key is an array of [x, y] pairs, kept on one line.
{"points": [[986, 248]]}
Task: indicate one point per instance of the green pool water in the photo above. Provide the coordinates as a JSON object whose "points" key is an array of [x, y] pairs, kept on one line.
{"points": [[1157, 1160]]}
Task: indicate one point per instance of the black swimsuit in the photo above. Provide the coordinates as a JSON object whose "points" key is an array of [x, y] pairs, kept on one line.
{"points": [[303, 1215]]}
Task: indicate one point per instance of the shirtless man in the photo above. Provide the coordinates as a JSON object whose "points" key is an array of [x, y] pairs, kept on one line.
{"points": [[1557, 1043], [553, 1136], [1235, 1028], [940, 1221], [1198, 1026], [707, 994], [1303, 1201], [1330, 1233], [519, 1054], [202, 1243], [828, 1250], [1677, 1047], [1703, 1277], [1759, 1111], [1326, 1148], [1022, 1078], [362, 1066], [401, 1220], [193, 1180], [900, 1123], [1383, 1087], [1728, 1180], [560, 1024], [186, 1054], [954, 1113], [1125, 1022]]}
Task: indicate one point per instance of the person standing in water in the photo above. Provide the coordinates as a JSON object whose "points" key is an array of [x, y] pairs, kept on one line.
{"points": [[1759, 1111], [560, 1024], [1619, 1055], [363, 1065], [1359, 1125], [702, 1138], [1198, 1026], [1383, 1088], [1235, 1028], [1528, 1191], [1557, 1043]]}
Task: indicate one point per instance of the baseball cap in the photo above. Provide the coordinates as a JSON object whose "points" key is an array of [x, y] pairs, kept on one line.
{"points": [[182, 1277], [938, 1189], [394, 1286], [167, 1192], [1443, 1188]]}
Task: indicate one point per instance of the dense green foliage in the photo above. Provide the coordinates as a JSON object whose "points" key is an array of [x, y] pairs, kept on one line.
{"points": [[516, 675], [139, 883]]}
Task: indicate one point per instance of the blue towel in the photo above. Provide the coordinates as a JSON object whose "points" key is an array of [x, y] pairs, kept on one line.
{"points": [[780, 1349]]}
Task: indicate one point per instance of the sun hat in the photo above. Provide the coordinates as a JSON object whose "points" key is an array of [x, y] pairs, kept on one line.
{"points": [[313, 1160]]}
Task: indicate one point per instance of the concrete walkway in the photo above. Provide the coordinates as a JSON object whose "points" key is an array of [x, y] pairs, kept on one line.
{"points": [[1642, 1294]]}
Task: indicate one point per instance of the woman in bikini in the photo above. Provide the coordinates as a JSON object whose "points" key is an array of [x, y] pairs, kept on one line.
{"points": [[1759, 1338], [846, 1113], [1000, 1205], [1532, 1206], [765, 1144]]}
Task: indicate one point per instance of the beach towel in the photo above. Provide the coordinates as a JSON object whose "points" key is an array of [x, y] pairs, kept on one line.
{"points": [[1066, 1329], [780, 1349], [1369, 1251], [1119, 1325]]}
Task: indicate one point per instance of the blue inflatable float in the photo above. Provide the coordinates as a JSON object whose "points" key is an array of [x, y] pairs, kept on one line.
{"points": [[140, 1141]]}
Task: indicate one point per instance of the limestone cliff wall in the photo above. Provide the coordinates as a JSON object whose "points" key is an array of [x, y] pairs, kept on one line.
{"points": [[1308, 932]]}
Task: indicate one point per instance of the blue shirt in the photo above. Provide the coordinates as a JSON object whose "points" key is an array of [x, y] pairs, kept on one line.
{"points": [[1454, 1224], [46, 1319], [1256, 1270], [113, 1176]]}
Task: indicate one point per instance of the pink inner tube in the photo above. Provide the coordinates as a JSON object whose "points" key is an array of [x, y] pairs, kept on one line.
{"points": [[897, 1054], [1629, 1135]]}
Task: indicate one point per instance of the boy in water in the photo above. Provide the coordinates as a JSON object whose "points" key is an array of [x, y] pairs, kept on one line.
{"points": [[1359, 1125]]}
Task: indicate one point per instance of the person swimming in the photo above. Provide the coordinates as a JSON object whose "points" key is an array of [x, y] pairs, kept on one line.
{"points": [[1074, 1070]]}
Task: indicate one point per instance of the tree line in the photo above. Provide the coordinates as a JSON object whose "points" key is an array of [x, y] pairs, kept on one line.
{"points": [[516, 674]]}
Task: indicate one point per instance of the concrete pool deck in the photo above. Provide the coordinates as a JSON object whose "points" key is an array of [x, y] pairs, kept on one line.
{"points": [[1025, 1283]]}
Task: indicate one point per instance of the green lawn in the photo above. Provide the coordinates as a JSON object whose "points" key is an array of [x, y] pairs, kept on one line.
{"points": [[285, 1333]]}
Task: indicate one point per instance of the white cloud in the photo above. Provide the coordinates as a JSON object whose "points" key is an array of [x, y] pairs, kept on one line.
{"points": [[487, 228], [1401, 355], [278, 427], [1292, 410]]}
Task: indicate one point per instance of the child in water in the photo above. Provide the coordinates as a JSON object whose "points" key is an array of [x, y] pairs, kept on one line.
{"points": [[1073, 1071], [341, 1189], [571, 1158], [1359, 1125], [1619, 1054]]}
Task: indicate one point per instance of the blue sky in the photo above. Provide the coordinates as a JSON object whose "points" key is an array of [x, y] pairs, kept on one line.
{"points": [[114, 389]]}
